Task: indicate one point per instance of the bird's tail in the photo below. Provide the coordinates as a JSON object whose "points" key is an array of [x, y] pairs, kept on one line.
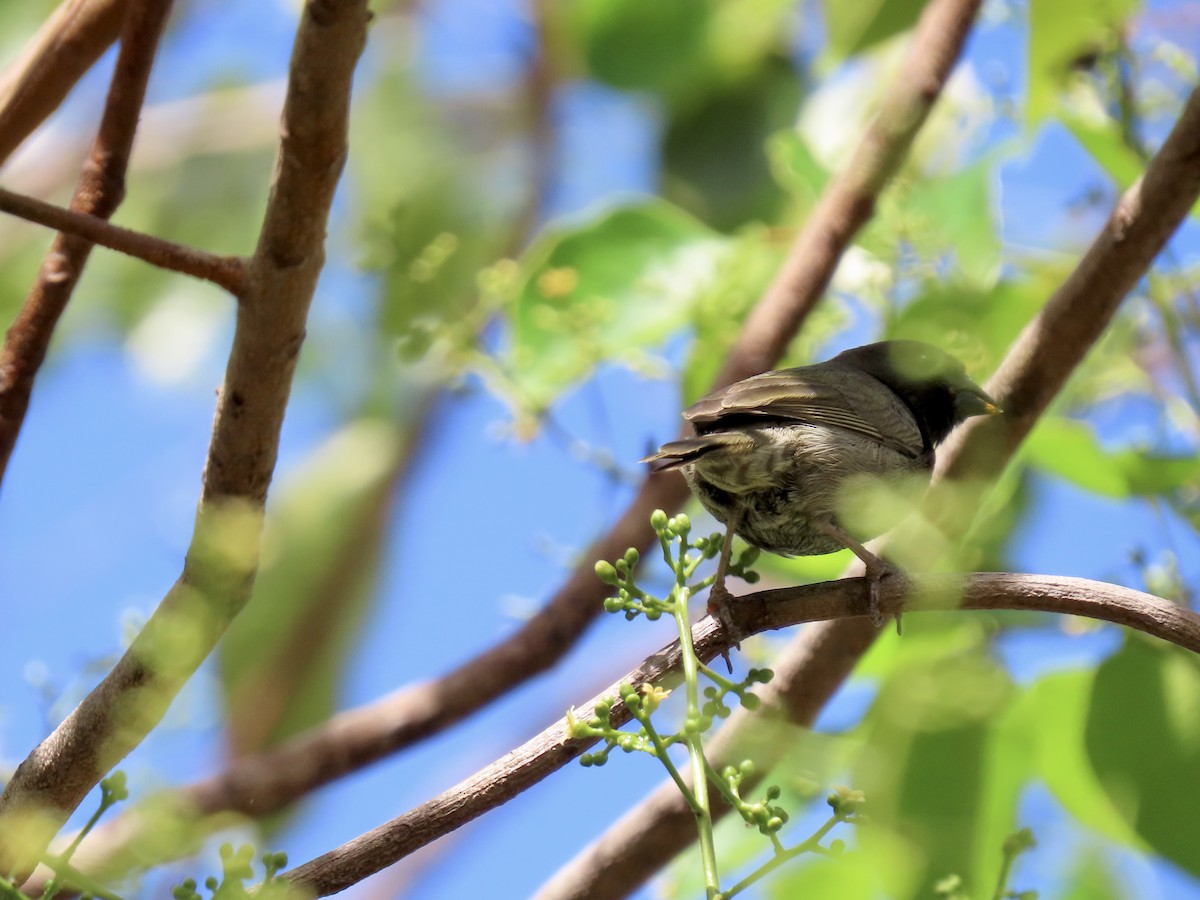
{"points": [[679, 453]]}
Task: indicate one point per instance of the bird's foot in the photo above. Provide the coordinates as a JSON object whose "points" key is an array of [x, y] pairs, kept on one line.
{"points": [[878, 570], [719, 600]]}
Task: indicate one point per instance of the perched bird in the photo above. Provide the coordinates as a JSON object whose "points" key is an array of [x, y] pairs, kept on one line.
{"points": [[775, 455]]}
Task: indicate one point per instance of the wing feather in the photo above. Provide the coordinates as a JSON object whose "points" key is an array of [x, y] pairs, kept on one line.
{"points": [[820, 395]]}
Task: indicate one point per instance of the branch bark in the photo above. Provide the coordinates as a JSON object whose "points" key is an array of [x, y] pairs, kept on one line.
{"points": [[1033, 372], [100, 190], [552, 749], [219, 571], [224, 271], [65, 47]]}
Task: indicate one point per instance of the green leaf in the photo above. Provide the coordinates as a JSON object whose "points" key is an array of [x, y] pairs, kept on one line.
{"points": [[642, 46], [1053, 714], [1102, 139], [1070, 450], [956, 216], [1061, 34], [923, 771], [714, 161], [974, 322], [857, 26], [680, 49], [606, 290], [796, 167], [1093, 877], [1143, 738]]}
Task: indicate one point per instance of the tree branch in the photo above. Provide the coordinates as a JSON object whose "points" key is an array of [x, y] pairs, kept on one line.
{"points": [[820, 659], [552, 749], [224, 271], [222, 559], [266, 783], [100, 190], [65, 47]]}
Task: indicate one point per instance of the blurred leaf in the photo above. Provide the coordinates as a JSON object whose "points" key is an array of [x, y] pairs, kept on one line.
{"points": [[609, 289], [1143, 738], [955, 216], [714, 156], [1053, 713], [742, 274], [1093, 877], [1102, 139], [1010, 766], [975, 323], [643, 46], [881, 869], [924, 766], [796, 168], [1070, 450], [854, 27], [678, 48], [1063, 35], [281, 661], [428, 226]]}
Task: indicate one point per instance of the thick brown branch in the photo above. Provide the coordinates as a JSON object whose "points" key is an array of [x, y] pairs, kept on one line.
{"points": [[1034, 370], [222, 560], [224, 271], [65, 47], [552, 749], [100, 190]]}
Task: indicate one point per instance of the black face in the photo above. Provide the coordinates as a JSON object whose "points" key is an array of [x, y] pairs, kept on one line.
{"points": [[932, 383]]}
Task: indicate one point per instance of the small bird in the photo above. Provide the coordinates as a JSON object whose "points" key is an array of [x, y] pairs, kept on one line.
{"points": [[775, 455]]}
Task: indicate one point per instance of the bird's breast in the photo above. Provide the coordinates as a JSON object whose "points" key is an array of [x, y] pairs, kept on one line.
{"points": [[792, 476]]}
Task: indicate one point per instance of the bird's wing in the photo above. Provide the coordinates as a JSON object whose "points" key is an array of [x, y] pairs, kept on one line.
{"points": [[823, 394]]}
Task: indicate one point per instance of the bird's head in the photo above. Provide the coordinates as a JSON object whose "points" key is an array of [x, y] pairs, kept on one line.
{"points": [[933, 384]]}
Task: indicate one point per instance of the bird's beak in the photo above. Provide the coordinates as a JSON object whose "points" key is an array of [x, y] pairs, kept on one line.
{"points": [[973, 401]]}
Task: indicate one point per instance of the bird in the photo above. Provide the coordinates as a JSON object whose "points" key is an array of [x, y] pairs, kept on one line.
{"points": [[775, 455]]}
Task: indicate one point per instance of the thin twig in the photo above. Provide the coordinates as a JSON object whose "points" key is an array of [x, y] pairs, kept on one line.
{"points": [[552, 749], [224, 271], [216, 583], [100, 190]]}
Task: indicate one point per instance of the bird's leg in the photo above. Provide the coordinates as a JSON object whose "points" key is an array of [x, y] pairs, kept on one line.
{"points": [[877, 569], [718, 594]]}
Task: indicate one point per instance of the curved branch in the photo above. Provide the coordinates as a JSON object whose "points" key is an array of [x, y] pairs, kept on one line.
{"points": [[218, 574], [847, 598]]}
